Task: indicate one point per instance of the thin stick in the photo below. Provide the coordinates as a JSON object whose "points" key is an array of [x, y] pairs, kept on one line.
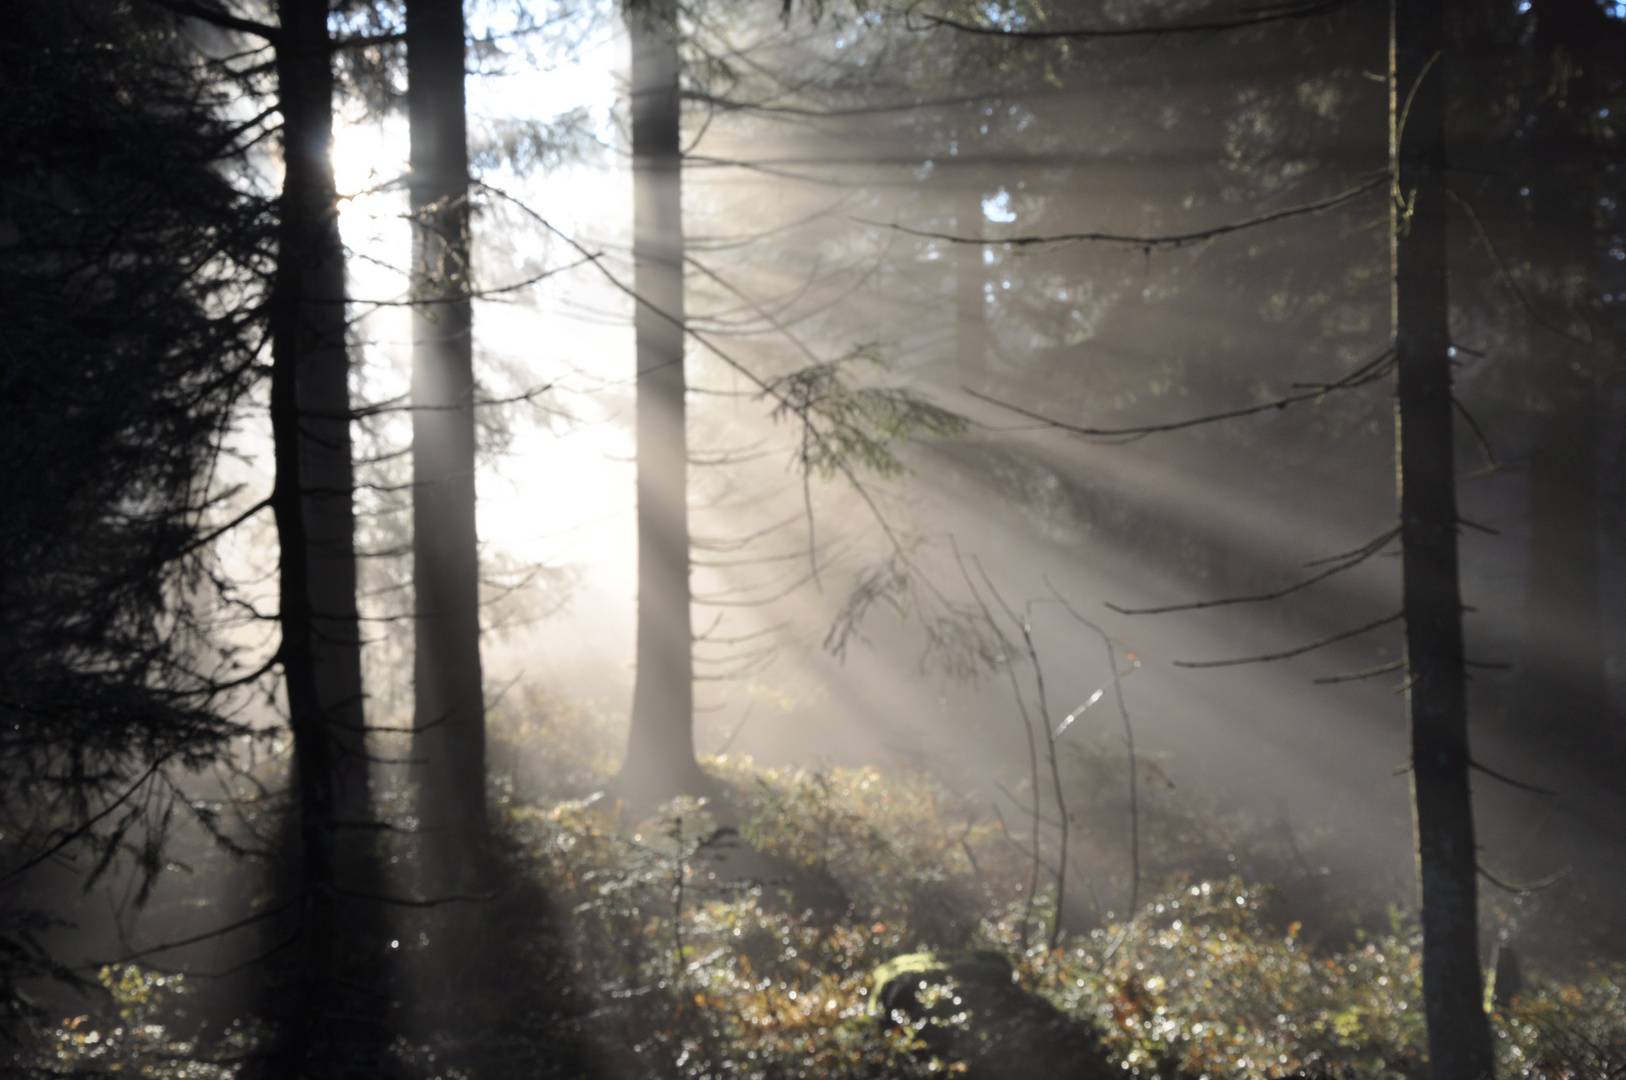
{"points": [[1027, 727], [1301, 650], [1055, 778], [1349, 560], [1129, 741], [1369, 372], [1168, 241], [1253, 18]]}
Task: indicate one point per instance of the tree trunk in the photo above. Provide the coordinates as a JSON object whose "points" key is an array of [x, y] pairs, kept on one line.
{"points": [[970, 304], [660, 747], [1565, 697], [449, 707], [1458, 1033], [1565, 700], [311, 502]]}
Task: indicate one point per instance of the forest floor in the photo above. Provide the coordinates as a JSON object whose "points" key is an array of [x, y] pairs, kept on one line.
{"points": [[674, 948]]}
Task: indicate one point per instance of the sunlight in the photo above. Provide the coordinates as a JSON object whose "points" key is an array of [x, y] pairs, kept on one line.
{"points": [[367, 155], [845, 544]]}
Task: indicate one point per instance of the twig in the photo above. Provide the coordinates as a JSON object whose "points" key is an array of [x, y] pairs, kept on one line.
{"points": [[1367, 673], [1301, 650], [1129, 740], [1163, 242], [1369, 372], [76, 833], [219, 931], [1055, 778], [1527, 888], [1508, 780], [1491, 464], [1027, 725], [1507, 275], [1349, 560]]}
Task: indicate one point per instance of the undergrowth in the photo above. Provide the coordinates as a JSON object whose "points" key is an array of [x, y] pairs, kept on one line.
{"points": [[705, 976], [699, 951]]}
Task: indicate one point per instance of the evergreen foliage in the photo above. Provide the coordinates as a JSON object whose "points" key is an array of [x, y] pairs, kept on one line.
{"points": [[130, 270]]}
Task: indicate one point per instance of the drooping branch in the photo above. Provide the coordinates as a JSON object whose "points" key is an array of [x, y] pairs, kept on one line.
{"points": [[207, 935], [1161, 242], [1346, 561], [1507, 275], [216, 16], [1524, 888], [1369, 372], [1342, 635], [1510, 781], [1357, 676], [1256, 17], [839, 463]]}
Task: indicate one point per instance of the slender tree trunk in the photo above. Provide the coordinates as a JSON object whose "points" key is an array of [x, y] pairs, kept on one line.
{"points": [[970, 305], [311, 502], [449, 707], [660, 749], [1565, 697], [1458, 1033]]}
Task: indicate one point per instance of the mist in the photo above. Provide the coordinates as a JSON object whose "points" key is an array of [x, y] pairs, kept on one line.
{"points": [[1036, 562]]}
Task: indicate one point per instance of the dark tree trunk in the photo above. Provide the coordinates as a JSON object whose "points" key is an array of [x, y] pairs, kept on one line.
{"points": [[311, 500], [1564, 703], [1458, 1033], [660, 758], [449, 708]]}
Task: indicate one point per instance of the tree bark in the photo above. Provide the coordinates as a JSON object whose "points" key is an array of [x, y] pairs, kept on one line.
{"points": [[449, 706], [660, 758], [1458, 1032], [311, 502]]}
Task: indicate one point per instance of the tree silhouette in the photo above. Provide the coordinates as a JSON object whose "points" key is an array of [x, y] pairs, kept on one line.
{"points": [[1436, 686], [130, 283], [449, 710], [660, 759]]}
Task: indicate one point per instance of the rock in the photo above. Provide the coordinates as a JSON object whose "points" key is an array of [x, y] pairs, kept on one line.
{"points": [[1506, 982], [970, 1010]]}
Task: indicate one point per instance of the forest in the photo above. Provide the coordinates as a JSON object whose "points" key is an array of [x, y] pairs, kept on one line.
{"points": [[700, 539]]}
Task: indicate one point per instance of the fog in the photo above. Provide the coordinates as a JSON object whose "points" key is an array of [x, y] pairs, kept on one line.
{"points": [[796, 213], [1150, 280]]}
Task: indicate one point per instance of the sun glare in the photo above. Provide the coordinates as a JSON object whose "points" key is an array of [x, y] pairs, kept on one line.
{"points": [[560, 498], [366, 157]]}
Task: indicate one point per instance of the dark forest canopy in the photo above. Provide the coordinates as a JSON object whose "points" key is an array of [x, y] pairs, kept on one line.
{"points": [[700, 539]]}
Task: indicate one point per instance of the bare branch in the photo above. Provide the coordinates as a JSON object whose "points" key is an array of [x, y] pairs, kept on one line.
{"points": [[1507, 275], [218, 931], [1523, 889], [1491, 464], [1369, 372], [1508, 780], [1368, 673], [85, 827], [1255, 18], [1300, 651], [1349, 561], [1160, 242], [224, 20]]}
